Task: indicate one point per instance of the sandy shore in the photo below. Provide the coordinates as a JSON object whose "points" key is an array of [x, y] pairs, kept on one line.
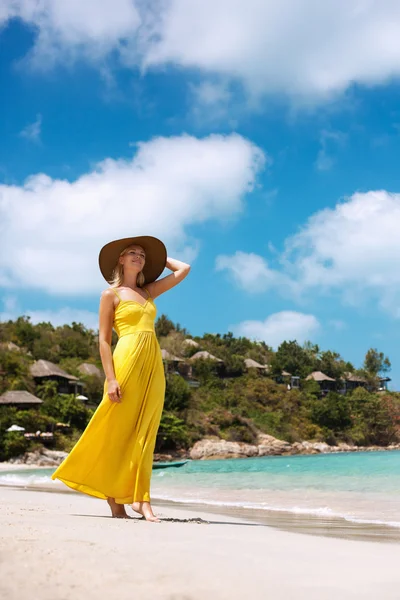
{"points": [[65, 546]]}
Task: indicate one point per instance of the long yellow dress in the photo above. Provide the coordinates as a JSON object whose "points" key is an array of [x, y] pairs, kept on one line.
{"points": [[114, 456]]}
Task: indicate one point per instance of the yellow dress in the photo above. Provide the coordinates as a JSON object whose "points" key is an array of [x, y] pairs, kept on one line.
{"points": [[114, 456]]}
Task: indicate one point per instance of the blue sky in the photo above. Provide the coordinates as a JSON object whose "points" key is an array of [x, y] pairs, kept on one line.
{"points": [[260, 143]]}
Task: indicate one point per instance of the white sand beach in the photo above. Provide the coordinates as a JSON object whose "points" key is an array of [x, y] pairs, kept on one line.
{"points": [[57, 546]]}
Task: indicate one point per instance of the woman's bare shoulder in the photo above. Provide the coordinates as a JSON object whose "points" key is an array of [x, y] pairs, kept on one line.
{"points": [[108, 295]]}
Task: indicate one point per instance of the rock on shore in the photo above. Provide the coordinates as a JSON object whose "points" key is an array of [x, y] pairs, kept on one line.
{"points": [[214, 448], [41, 458]]}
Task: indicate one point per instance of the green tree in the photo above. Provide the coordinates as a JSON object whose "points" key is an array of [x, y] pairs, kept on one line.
{"points": [[376, 363], [204, 369], [47, 390], [45, 345], [94, 388], [177, 393], [14, 371], [172, 433], [75, 341], [25, 332], [292, 358], [313, 350], [332, 364], [375, 417], [164, 326], [234, 365], [332, 412], [13, 444], [66, 408]]}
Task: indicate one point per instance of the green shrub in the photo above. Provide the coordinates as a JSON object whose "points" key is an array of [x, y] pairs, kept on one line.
{"points": [[67, 409], [172, 433], [204, 369], [177, 393], [13, 444], [332, 412]]}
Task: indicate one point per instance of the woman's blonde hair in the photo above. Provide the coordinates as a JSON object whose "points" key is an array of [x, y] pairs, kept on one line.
{"points": [[118, 274]]}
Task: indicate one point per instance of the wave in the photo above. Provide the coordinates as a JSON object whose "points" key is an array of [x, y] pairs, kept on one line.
{"points": [[317, 512], [37, 480], [21, 480]]}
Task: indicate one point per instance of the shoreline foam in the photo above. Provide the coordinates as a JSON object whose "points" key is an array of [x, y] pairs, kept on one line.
{"points": [[322, 522]]}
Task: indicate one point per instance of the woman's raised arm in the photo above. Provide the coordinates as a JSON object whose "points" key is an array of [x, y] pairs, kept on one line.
{"points": [[179, 271]]}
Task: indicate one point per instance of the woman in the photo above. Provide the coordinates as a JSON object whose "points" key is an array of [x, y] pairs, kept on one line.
{"points": [[113, 458]]}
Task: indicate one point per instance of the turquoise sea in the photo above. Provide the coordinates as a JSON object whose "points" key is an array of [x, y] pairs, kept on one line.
{"points": [[361, 487]]}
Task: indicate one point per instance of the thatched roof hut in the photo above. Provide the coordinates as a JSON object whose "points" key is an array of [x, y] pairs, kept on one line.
{"points": [[16, 397], [168, 357], [205, 356], [355, 378], [45, 368], [90, 369], [190, 342], [319, 376], [253, 364]]}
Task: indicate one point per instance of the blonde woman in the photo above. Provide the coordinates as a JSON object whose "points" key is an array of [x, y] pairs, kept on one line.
{"points": [[113, 458]]}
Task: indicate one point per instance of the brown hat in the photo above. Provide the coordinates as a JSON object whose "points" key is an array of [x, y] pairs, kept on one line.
{"points": [[156, 256]]}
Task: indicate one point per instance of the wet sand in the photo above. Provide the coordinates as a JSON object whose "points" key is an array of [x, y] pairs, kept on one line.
{"points": [[63, 546]]}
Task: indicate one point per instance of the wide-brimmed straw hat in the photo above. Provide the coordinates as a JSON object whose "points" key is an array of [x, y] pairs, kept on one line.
{"points": [[156, 256]]}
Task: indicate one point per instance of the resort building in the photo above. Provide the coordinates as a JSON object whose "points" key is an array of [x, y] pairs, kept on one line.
{"points": [[204, 355], [171, 362], [286, 378], [253, 364], [383, 384], [326, 383], [20, 398], [192, 343], [178, 366], [90, 369], [44, 370], [350, 382]]}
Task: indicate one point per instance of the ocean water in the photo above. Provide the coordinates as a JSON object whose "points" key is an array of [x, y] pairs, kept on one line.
{"points": [[361, 487]]}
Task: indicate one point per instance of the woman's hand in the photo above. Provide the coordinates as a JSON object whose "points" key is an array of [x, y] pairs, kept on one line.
{"points": [[114, 391]]}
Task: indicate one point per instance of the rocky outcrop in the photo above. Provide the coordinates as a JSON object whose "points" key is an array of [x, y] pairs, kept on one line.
{"points": [[270, 446], [215, 448], [41, 458]]}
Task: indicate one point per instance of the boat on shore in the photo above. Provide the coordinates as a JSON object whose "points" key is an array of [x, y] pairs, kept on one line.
{"points": [[166, 465]]}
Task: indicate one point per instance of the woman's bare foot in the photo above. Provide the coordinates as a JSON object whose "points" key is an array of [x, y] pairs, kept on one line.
{"points": [[144, 509], [117, 510]]}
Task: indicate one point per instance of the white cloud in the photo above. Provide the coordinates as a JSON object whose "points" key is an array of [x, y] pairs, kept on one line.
{"points": [[210, 94], [329, 140], [251, 271], [352, 250], [51, 230], [285, 325], [33, 131], [211, 102], [71, 29], [303, 49]]}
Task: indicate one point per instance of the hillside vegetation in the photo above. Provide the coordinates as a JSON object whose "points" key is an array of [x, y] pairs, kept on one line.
{"points": [[230, 402]]}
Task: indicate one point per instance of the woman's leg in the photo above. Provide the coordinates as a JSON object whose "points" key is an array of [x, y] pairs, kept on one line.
{"points": [[117, 510], [145, 509]]}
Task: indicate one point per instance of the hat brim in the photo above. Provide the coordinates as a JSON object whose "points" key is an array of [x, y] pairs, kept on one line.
{"points": [[156, 256]]}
